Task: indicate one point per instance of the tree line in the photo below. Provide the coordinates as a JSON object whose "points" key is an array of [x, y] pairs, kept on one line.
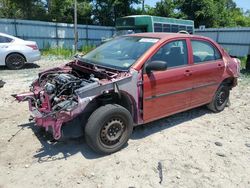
{"points": [[211, 13]]}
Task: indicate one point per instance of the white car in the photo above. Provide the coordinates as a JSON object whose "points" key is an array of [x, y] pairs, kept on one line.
{"points": [[15, 52]]}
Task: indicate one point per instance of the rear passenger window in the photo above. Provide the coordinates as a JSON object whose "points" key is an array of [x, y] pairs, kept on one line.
{"points": [[174, 53], [204, 51]]}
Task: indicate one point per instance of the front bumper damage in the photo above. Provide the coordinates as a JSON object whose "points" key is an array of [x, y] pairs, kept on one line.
{"points": [[52, 120], [44, 117], [47, 121]]}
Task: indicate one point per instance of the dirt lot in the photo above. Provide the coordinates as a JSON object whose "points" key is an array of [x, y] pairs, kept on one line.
{"points": [[195, 148]]}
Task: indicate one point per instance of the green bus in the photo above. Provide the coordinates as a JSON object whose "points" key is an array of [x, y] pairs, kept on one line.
{"points": [[146, 23]]}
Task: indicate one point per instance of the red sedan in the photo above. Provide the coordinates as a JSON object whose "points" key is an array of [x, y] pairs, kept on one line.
{"points": [[129, 81]]}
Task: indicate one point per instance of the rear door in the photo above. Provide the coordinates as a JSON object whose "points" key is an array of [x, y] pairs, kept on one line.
{"points": [[207, 70], [167, 92]]}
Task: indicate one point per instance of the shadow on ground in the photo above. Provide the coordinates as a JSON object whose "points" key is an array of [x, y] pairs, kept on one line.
{"points": [[51, 151], [148, 129], [26, 66], [245, 72]]}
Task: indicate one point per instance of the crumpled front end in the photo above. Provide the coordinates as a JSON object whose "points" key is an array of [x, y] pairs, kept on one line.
{"points": [[61, 94], [48, 110]]}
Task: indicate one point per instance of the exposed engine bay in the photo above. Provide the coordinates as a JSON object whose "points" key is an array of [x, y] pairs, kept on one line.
{"points": [[61, 94], [59, 87]]}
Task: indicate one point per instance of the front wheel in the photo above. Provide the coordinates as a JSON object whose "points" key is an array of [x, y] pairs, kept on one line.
{"points": [[108, 128], [220, 99]]}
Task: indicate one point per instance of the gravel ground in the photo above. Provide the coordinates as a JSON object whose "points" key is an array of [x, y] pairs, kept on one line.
{"points": [[196, 148]]}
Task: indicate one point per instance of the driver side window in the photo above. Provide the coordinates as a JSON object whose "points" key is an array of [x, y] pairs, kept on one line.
{"points": [[174, 53]]}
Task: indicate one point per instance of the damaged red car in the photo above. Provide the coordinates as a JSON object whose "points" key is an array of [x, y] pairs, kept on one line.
{"points": [[128, 81]]}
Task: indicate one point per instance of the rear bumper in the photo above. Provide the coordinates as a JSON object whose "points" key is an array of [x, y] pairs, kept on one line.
{"points": [[33, 56]]}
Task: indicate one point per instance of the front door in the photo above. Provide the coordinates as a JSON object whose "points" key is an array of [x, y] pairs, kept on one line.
{"points": [[167, 92]]}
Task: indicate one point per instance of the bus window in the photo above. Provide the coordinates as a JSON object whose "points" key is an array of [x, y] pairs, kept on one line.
{"points": [[190, 29], [166, 28], [174, 28], [182, 28], [157, 27]]}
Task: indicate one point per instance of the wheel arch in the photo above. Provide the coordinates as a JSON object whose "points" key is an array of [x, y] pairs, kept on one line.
{"points": [[230, 82], [122, 98]]}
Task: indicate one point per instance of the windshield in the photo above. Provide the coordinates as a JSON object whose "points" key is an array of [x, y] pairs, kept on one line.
{"points": [[120, 53]]}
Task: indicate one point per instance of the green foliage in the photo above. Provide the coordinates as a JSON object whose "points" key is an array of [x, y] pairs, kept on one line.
{"points": [[66, 53], [59, 52], [168, 8], [211, 13], [243, 61], [105, 12], [87, 48], [214, 13]]}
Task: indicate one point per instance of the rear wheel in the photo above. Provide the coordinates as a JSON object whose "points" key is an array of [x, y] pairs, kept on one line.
{"points": [[15, 61], [220, 99], [108, 128]]}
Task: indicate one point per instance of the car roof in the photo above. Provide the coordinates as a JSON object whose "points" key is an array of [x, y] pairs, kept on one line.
{"points": [[6, 35], [165, 36], [12, 37]]}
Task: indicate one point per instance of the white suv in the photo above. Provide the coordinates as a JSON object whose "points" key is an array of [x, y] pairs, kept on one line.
{"points": [[15, 52]]}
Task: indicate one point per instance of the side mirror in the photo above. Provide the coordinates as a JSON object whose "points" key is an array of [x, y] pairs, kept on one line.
{"points": [[156, 66]]}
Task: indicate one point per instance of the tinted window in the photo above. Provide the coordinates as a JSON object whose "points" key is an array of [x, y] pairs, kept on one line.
{"points": [[174, 53], [166, 28], [174, 28], [204, 51], [5, 39], [190, 29], [182, 28], [125, 22], [158, 27]]}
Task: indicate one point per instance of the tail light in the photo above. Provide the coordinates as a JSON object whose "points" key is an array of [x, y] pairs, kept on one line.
{"points": [[33, 46]]}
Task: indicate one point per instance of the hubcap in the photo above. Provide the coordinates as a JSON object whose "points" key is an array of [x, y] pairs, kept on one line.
{"points": [[112, 131]]}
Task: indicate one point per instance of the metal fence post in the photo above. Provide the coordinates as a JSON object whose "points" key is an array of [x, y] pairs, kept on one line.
{"points": [[57, 39], [217, 37], [15, 27], [87, 35]]}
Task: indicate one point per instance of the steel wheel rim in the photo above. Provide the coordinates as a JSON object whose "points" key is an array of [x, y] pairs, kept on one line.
{"points": [[112, 132], [221, 98]]}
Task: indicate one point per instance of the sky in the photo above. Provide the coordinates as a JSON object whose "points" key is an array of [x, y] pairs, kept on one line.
{"points": [[245, 4]]}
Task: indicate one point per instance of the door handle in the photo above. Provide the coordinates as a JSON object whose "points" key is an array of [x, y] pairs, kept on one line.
{"points": [[188, 73]]}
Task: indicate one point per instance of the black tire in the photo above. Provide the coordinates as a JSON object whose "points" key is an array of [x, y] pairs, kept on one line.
{"points": [[220, 99], [15, 61], [108, 128]]}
